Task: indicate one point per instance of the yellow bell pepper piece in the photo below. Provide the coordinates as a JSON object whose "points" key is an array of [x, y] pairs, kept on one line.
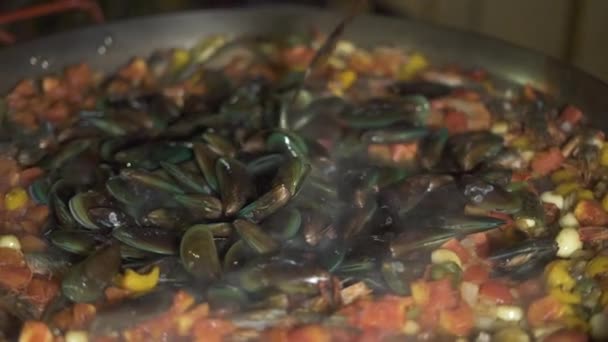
{"points": [[347, 78], [563, 175], [604, 156], [566, 188], [557, 275], [597, 266], [180, 58], [420, 292], [414, 65], [15, 199], [565, 296], [585, 194], [136, 282]]}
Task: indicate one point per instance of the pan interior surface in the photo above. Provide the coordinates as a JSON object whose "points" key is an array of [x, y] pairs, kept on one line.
{"points": [[108, 46]]}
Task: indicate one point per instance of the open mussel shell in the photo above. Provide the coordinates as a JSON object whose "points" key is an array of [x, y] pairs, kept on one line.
{"points": [[198, 252], [149, 239], [59, 196], [284, 224], [74, 241], [203, 206], [86, 281], [149, 156], [188, 180], [255, 237], [266, 204], [81, 203]]}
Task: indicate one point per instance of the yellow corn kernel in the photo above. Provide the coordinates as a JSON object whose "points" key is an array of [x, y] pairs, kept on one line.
{"points": [[563, 175], [181, 58], [442, 255], [420, 292], [557, 275], [585, 194], [566, 188], [565, 297], [136, 282], [347, 78], [521, 143], [414, 65], [597, 266], [15, 199], [604, 156]]}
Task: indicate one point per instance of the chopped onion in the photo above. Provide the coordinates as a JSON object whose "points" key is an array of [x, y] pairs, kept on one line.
{"points": [[469, 292]]}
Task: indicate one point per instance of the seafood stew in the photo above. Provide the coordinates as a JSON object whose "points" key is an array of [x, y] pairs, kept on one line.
{"points": [[190, 195]]}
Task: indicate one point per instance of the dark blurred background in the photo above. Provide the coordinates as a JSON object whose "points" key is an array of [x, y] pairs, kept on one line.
{"points": [[572, 30]]}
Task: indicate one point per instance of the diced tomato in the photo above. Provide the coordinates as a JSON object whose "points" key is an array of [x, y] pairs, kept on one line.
{"points": [[387, 313], [403, 152], [35, 332], [476, 274], [11, 257], [116, 294], [443, 296], [298, 57], [530, 289], [429, 318], [566, 335], [571, 115], [42, 290], [15, 278], [544, 310], [496, 292], [182, 301], [590, 213], [520, 176], [310, 333], [456, 247], [275, 335], [482, 244], [458, 321], [456, 122], [185, 321], [75, 317], [212, 330], [547, 161]]}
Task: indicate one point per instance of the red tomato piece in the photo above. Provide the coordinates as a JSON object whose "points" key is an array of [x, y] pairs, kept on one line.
{"points": [[456, 247], [456, 122], [212, 330], [571, 115], [544, 310], [442, 295], [476, 274], [547, 161], [386, 313], [310, 333], [496, 292], [458, 321]]}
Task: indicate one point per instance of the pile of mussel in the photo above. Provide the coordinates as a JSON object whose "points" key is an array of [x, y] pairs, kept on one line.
{"points": [[258, 206]]}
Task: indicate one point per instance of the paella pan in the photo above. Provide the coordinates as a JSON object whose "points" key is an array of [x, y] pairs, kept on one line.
{"points": [[207, 176]]}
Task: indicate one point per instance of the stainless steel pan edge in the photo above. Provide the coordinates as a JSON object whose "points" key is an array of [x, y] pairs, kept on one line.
{"points": [[142, 36]]}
